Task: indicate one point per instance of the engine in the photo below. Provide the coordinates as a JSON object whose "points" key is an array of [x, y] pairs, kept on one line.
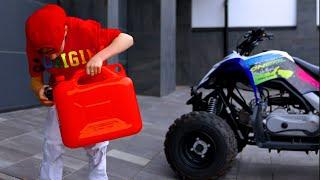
{"points": [[282, 122]]}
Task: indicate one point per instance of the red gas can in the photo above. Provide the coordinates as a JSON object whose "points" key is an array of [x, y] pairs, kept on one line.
{"points": [[96, 109]]}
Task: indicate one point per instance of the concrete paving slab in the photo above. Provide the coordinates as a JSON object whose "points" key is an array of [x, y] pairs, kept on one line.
{"points": [[7, 131], [7, 177], [29, 143], [10, 156], [120, 144], [77, 153], [123, 169], [148, 176], [69, 162], [128, 157], [23, 124], [3, 119], [143, 145], [29, 169], [82, 174], [295, 165], [159, 167], [34, 113], [255, 164]]}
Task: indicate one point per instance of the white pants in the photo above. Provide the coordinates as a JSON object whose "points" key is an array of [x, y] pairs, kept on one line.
{"points": [[52, 165]]}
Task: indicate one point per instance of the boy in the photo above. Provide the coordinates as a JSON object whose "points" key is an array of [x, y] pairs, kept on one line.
{"points": [[61, 45]]}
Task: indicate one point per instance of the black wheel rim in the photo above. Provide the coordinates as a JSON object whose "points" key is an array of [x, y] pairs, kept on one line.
{"points": [[193, 158]]}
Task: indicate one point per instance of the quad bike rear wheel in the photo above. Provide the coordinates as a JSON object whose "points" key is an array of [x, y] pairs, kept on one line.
{"points": [[200, 145]]}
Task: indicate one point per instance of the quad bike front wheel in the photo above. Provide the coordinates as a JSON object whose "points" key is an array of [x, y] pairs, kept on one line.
{"points": [[200, 145]]}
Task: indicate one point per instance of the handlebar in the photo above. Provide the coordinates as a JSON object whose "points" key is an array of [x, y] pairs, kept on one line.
{"points": [[258, 34], [252, 39]]}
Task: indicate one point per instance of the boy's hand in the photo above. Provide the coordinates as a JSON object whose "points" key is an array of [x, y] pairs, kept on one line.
{"points": [[94, 65], [43, 99]]}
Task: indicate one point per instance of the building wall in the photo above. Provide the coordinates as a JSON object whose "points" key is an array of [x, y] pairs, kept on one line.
{"points": [[87, 9], [198, 50], [117, 18], [168, 47], [110, 13], [151, 61], [143, 23], [15, 90]]}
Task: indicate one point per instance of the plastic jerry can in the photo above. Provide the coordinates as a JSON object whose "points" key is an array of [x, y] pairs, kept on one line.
{"points": [[98, 108]]}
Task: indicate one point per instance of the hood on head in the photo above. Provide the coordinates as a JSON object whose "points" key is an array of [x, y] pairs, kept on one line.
{"points": [[45, 28]]}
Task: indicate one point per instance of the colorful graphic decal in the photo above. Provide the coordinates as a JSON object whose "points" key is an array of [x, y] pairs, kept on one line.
{"points": [[268, 64], [272, 69], [277, 72], [305, 77], [266, 67], [68, 59], [261, 59], [285, 73]]}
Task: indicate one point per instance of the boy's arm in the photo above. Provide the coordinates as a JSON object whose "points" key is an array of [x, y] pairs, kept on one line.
{"points": [[36, 84], [38, 87], [118, 45], [36, 74]]}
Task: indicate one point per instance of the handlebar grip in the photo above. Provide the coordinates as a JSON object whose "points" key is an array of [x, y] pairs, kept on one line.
{"points": [[269, 36], [247, 34]]}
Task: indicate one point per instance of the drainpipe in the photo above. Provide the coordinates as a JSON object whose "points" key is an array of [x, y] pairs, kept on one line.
{"points": [[225, 30]]}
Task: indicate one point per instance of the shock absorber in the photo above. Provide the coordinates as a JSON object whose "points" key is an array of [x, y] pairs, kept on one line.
{"points": [[212, 105]]}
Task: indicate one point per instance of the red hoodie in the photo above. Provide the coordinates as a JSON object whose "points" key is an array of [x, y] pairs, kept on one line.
{"points": [[45, 28]]}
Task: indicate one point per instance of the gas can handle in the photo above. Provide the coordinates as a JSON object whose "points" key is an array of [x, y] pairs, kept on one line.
{"points": [[104, 70]]}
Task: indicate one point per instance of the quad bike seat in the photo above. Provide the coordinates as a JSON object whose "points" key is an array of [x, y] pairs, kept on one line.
{"points": [[313, 70]]}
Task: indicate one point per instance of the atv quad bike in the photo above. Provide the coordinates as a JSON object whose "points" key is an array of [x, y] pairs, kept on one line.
{"points": [[270, 100]]}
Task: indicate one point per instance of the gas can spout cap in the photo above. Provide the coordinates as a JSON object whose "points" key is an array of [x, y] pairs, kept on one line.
{"points": [[60, 78]]}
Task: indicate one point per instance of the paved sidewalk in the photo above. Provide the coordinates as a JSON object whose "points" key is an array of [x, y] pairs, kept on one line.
{"points": [[138, 157]]}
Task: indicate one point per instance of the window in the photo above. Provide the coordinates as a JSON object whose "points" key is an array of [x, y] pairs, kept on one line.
{"points": [[207, 13], [270, 13], [244, 13]]}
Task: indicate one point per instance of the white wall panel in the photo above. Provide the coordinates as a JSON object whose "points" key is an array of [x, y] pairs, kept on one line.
{"points": [[207, 13], [244, 13], [274, 13]]}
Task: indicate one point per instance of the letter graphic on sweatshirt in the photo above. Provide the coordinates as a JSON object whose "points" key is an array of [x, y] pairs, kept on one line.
{"points": [[73, 58], [83, 59], [89, 53], [64, 60]]}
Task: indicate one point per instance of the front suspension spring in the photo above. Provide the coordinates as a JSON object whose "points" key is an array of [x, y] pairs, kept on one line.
{"points": [[212, 105]]}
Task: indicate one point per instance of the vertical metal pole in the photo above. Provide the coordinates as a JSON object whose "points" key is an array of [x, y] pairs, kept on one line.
{"points": [[225, 32]]}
